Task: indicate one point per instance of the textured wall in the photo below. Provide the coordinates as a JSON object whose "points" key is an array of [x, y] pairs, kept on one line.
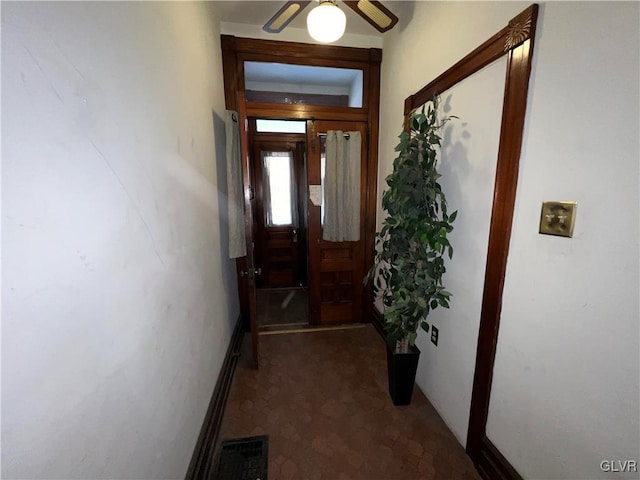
{"points": [[118, 297], [565, 392], [566, 378]]}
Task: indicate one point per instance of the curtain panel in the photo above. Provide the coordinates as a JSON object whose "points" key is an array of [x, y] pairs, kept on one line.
{"points": [[341, 221]]}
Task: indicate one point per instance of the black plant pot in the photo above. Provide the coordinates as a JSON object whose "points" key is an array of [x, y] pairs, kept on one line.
{"points": [[402, 374]]}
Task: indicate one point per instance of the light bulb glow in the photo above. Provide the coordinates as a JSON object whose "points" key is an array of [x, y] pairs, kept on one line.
{"points": [[326, 22]]}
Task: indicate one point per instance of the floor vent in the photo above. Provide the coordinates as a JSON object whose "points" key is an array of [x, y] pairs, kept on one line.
{"points": [[243, 459]]}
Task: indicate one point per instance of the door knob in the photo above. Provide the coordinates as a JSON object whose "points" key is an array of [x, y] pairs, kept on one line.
{"points": [[295, 235]]}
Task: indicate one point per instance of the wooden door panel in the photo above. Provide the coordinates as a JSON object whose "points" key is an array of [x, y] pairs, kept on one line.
{"points": [[250, 273], [332, 313], [336, 269], [280, 252], [337, 253]]}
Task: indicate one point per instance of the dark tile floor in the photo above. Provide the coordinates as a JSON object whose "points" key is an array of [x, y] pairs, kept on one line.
{"points": [[322, 399]]}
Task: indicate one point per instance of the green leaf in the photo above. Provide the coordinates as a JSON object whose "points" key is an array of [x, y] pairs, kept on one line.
{"points": [[409, 257]]}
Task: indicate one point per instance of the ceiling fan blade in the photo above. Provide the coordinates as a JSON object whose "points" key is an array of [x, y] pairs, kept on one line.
{"points": [[284, 16], [375, 13]]}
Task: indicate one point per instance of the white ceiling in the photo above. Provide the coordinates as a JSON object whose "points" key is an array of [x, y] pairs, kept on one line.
{"points": [[258, 13]]}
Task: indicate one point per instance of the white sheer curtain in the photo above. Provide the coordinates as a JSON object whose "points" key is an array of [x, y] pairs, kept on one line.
{"points": [[237, 242], [342, 187], [279, 189]]}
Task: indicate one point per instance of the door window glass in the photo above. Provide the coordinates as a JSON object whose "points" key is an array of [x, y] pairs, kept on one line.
{"points": [[280, 126], [279, 188], [303, 85]]}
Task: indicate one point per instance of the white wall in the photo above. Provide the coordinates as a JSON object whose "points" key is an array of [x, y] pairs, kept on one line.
{"points": [[356, 90], [118, 298], [566, 374], [565, 389]]}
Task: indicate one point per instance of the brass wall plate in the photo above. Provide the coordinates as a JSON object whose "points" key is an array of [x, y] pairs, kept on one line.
{"points": [[557, 218]]}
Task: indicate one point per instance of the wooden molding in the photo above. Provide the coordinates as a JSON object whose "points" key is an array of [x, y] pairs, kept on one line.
{"points": [[516, 41], [377, 320], [292, 98], [520, 28], [492, 465], [303, 112], [302, 52], [201, 463]]}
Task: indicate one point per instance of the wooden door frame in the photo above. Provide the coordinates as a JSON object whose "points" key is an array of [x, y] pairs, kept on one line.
{"points": [[237, 50], [516, 41]]}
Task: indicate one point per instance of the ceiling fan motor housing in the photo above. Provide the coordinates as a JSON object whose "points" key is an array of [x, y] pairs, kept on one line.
{"points": [[373, 11], [326, 22]]}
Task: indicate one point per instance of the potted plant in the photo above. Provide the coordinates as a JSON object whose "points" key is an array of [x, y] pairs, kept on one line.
{"points": [[409, 261]]}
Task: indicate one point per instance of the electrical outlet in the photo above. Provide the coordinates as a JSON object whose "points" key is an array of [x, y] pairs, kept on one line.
{"points": [[434, 335]]}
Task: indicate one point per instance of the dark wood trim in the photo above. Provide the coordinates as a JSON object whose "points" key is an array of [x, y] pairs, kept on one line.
{"points": [[243, 292], [298, 53], [511, 134], [293, 98], [229, 71], [377, 320], [371, 208], [516, 41], [249, 225], [203, 453], [303, 112], [492, 465]]}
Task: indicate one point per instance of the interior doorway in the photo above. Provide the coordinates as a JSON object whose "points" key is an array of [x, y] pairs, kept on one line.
{"points": [[318, 84], [314, 279], [279, 179], [279, 182]]}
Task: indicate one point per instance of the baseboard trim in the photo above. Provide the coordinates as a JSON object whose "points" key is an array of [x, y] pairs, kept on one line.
{"points": [[377, 319], [492, 465], [203, 454]]}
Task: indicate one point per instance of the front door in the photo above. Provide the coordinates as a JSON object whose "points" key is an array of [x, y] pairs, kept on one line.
{"points": [[281, 235], [336, 269], [252, 271]]}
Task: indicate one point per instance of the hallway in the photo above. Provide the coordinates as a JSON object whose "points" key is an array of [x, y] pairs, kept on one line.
{"points": [[322, 399], [120, 288]]}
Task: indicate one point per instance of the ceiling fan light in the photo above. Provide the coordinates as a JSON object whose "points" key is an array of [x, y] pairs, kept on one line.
{"points": [[326, 22]]}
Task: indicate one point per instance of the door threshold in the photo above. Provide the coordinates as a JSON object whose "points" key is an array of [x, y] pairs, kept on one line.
{"points": [[271, 326], [312, 329], [281, 289]]}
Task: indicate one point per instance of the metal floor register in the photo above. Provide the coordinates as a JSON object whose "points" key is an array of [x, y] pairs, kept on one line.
{"points": [[243, 459]]}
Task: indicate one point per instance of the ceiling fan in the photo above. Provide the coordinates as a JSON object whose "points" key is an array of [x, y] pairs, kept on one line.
{"points": [[326, 22]]}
